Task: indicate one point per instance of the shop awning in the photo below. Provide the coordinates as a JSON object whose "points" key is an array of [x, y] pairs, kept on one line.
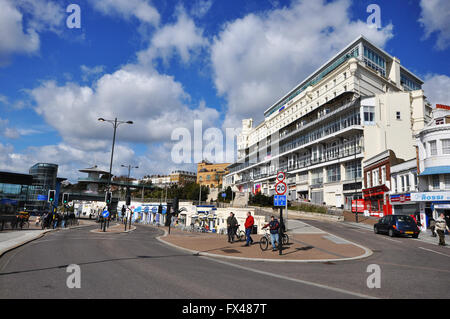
{"points": [[436, 170]]}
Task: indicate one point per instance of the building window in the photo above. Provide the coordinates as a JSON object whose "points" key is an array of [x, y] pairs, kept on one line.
{"points": [[402, 179], [369, 115], [446, 146], [376, 180], [407, 182], [353, 170], [397, 116], [433, 148], [436, 182], [447, 181], [334, 173], [394, 184], [369, 180], [374, 61], [383, 175], [317, 176]]}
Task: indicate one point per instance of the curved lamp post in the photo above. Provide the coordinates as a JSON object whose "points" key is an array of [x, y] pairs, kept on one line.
{"points": [[115, 124]]}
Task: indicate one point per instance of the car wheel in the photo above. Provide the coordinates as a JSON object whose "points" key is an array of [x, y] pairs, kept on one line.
{"points": [[391, 233], [415, 236], [375, 230]]}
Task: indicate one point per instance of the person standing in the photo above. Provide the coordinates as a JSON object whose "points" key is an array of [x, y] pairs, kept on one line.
{"points": [[274, 227], [231, 227], [441, 226], [249, 222]]}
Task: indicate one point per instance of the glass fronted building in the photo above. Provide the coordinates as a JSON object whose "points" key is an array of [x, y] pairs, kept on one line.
{"points": [[44, 179], [14, 192]]}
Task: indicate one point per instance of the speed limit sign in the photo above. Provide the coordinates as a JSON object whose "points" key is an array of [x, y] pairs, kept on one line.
{"points": [[280, 176], [281, 188]]}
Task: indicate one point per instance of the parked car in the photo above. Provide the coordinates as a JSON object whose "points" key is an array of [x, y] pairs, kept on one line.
{"points": [[397, 225]]}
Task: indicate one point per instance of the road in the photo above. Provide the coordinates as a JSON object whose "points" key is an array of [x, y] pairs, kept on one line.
{"points": [[136, 265]]}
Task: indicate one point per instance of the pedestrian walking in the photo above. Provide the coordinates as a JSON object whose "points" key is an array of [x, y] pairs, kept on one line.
{"points": [[231, 227], [249, 222], [441, 226], [274, 227]]}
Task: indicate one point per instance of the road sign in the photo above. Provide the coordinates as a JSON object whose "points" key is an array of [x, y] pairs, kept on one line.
{"points": [[281, 176], [281, 188], [105, 214], [224, 195], [279, 200]]}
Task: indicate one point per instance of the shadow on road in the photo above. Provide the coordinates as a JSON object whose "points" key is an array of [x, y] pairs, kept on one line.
{"points": [[95, 262]]}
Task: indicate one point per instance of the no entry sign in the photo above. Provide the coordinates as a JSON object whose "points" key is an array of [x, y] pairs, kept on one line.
{"points": [[281, 176]]}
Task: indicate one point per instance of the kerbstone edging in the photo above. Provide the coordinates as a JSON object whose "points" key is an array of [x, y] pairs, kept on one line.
{"points": [[99, 231], [367, 253]]}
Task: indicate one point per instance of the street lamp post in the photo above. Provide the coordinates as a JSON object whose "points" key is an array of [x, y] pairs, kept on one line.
{"points": [[115, 124], [128, 191]]}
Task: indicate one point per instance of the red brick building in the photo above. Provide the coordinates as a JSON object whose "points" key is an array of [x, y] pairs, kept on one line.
{"points": [[377, 176]]}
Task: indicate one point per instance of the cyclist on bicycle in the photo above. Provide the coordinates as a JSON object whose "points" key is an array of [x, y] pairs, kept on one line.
{"points": [[274, 227]]}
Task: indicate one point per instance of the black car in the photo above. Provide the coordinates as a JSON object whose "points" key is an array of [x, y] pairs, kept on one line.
{"points": [[397, 225]]}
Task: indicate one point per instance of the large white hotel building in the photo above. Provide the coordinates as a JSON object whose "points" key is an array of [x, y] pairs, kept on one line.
{"points": [[358, 104]]}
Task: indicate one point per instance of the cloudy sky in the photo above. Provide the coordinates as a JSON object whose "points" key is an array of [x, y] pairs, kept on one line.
{"points": [[164, 64]]}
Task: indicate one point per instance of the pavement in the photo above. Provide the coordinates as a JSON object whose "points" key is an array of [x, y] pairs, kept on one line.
{"points": [[11, 239], [114, 229], [307, 244]]}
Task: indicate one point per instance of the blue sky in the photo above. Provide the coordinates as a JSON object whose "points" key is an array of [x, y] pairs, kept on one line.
{"points": [[164, 64]]}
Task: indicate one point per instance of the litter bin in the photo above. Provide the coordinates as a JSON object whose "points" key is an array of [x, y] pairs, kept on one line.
{"points": [[254, 230]]}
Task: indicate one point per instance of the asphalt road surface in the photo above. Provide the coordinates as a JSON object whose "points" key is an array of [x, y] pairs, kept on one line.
{"points": [[136, 265]]}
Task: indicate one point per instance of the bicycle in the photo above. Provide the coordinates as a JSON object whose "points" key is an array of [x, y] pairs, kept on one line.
{"points": [[240, 234], [265, 240]]}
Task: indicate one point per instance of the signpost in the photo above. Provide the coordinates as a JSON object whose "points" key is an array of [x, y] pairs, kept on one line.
{"points": [[280, 200]]}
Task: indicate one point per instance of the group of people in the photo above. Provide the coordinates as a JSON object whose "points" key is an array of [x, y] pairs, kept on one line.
{"points": [[55, 219], [232, 227]]}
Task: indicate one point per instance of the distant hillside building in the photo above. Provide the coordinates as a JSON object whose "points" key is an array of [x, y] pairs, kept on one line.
{"points": [[211, 175]]}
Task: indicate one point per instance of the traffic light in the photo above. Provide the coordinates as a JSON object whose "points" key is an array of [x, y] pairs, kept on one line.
{"points": [[128, 200], [160, 209], [108, 198], [65, 198], [51, 195]]}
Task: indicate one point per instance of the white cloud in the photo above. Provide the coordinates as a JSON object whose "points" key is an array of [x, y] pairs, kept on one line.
{"points": [[201, 8], [182, 38], [88, 72], [258, 58], [13, 39], [18, 36], [435, 18], [437, 89], [139, 9]]}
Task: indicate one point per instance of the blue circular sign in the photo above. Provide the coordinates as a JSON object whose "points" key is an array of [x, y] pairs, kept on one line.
{"points": [[105, 214]]}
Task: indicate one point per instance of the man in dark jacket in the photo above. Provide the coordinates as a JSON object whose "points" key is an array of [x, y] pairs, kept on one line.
{"points": [[274, 227], [231, 227]]}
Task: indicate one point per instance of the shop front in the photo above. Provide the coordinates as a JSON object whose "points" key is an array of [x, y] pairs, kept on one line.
{"points": [[376, 201], [431, 205]]}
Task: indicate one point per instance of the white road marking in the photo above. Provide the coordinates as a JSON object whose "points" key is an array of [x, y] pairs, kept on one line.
{"points": [[436, 252], [292, 279]]}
